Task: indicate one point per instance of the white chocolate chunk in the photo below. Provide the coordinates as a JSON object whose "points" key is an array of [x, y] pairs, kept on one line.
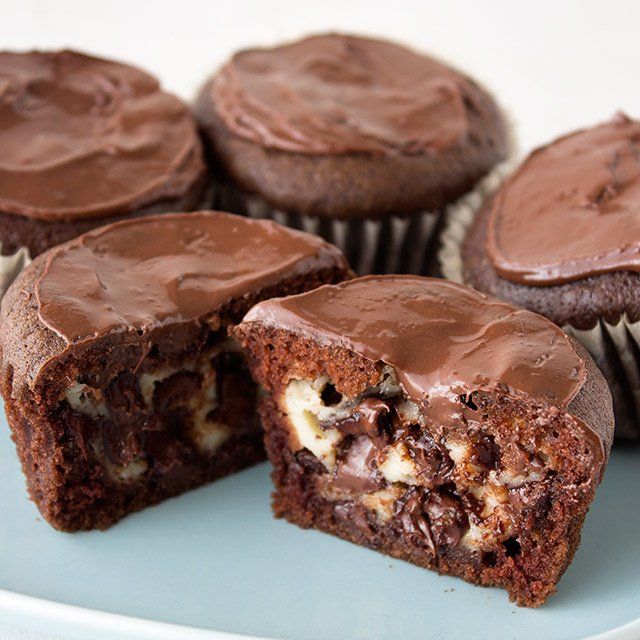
{"points": [[209, 436], [389, 386], [147, 383], [458, 451], [129, 472], [510, 479], [86, 400], [303, 405], [410, 412], [397, 466], [382, 502], [475, 536]]}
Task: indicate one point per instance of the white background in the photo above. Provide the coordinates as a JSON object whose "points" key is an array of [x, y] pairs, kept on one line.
{"points": [[555, 65]]}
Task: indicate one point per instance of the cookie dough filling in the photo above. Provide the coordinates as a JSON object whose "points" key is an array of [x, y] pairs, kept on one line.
{"points": [[137, 424], [475, 488]]}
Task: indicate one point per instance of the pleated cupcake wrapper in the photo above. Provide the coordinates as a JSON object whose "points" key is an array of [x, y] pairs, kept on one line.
{"points": [[392, 244], [11, 266], [614, 347]]}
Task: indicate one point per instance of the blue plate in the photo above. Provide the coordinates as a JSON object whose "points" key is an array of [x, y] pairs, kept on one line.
{"points": [[217, 560]]}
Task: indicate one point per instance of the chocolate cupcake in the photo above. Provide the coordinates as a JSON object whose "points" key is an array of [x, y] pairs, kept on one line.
{"points": [[85, 142], [362, 141], [425, 420], [561, 237], [120, 383]]}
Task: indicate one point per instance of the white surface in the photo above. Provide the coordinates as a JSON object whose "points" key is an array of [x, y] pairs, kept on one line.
{"points": [[554, 65]]}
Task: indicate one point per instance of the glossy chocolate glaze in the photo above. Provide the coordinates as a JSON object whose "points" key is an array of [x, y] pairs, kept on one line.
{"points": [[332, 94], [144, 273], [83, 137], [571, 210], [443, 340]]}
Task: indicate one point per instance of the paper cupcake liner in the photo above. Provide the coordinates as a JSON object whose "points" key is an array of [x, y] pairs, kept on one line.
{"points": [[11, 266], [392, 244], [614, 347]]}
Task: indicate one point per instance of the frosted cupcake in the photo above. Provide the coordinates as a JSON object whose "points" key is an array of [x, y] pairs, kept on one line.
{"points": [[360, 140], [561, 236], [85, 142]]}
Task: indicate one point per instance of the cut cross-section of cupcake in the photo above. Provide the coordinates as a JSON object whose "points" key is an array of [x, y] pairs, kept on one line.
{"points": [[121, 384], [425, 420]]}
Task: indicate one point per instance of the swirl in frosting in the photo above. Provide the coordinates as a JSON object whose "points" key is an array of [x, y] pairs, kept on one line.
{"points": [[83, 137], [572, 209], [335, 93]]}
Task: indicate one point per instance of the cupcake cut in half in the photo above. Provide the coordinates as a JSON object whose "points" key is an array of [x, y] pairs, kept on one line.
{"points": [[85, 142], [361, 140], [422, 419], [561, 237], [121, 385]]}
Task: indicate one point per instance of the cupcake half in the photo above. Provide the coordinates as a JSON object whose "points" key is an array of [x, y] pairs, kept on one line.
{"points": [[120, 383], [84, 142], [422, 419], [360, 140], [561, 236]]}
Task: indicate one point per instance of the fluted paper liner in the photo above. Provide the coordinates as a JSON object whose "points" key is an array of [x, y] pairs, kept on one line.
{"points": [[614, 347], [391, 244], [11, 266]]}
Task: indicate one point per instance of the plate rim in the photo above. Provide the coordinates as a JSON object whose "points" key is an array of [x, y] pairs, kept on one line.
{"points": [[30, 608]]}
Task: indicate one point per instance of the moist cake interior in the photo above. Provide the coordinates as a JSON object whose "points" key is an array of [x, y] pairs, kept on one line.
{"points": [[498, 498], [138, 422], [166, 412]]}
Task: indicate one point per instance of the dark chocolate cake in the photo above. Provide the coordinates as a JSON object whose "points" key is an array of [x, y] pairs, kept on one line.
{"points": [[361, 140], [427, 421], [121, 384]]}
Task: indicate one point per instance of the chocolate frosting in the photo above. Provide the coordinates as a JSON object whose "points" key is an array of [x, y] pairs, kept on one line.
{"points": [[140, 274], [83, 137], [571, 210], [331, 94], [444, 340]]}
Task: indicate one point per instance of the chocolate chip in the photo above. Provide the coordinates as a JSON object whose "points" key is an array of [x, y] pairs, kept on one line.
{"points": [[489, 558], [330, 397], [485, 452], [177, 389], [354, 516], [433, 463], [365, 419], [431, 519], [355, 469], [413, 521], [449, 522], [468, 401]]}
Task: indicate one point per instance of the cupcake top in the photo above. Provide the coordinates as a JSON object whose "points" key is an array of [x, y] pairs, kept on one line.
{"points": [[571, 210], [83, 137], [140, 274], [332, 94], [443, 339]]}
